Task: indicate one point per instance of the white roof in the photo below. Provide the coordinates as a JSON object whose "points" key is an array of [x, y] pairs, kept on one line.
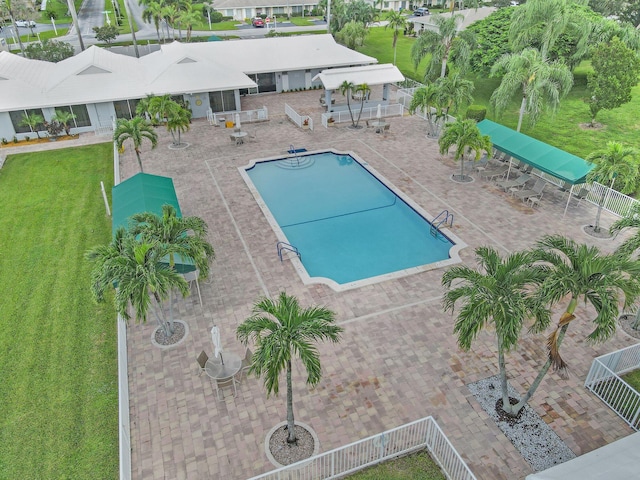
{"points": [[619, 459], [370, 74], [98, 75]]}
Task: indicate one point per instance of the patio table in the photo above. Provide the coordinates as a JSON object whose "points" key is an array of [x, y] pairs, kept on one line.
{"points": [[238, 137], [217, 370]]}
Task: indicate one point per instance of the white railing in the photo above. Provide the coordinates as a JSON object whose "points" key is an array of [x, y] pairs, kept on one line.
{"points": [[341, 116], [103, 131], [246, 116], [614, 201], [604, 381], [423, 433], [296, 118]]}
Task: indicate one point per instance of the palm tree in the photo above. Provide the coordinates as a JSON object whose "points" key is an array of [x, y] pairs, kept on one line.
{"points": [[499, 293], [631, 244], [171, 13], [454, 92], [153, 13], [397, 21], [427, 99], [363, 90], [619, 165], [540, 81], [178, 122], [64, 118], [352, 35], [142, 107], [13, 22], [466, 136], [142, 278], [162, 107], [136, 130], [189, 18], [345, 89], [580, 272], [282, 330], [443, 45], [32, 120]]}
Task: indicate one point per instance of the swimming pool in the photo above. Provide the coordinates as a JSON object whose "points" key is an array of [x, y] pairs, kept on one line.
{"points": [[350, 225]]}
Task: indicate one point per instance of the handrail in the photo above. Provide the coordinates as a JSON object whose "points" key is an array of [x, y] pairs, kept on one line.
{"points": [[280, 246], [435, 228]]}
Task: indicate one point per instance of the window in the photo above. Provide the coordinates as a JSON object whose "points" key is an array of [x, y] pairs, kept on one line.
{"points": [[278, 10], [266, 82], [222, 101], [82, 115], [18, 116], [126, 108]]}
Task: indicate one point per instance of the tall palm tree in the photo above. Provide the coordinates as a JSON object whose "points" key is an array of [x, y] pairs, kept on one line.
{"points": [[142, 278], [189, 18], [33, 121], [10, 11], [580, 272], [396, 21], [539, 81], [363, 90], [631, 244], [137, 129], [498, 293], [454, 92], [618, 165], [153, 13], [427, 99], [345, 89], [466, 136], [443, 45], [282, 330], [171, 13]]}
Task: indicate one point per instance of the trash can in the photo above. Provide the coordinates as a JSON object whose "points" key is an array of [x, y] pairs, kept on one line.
{"points": [[229, 124]]}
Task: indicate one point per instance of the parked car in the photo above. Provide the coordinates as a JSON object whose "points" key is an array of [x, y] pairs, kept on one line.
{"points": [[25, 23], [421, 12], [257, 22]]}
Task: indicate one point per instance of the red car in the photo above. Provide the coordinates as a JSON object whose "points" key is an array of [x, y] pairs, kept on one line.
{"points": [[257, 22]]}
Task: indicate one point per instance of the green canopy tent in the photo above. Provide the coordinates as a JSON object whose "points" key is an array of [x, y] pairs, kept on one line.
{"points": [[146, 193], [565, 166]]}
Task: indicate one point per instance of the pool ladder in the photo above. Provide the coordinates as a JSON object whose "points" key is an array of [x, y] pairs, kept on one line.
{"points": [[281, 246], [447, 219], [294, 152]]}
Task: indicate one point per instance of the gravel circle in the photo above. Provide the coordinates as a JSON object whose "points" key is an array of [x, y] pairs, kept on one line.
{"points": [[602, 233], [533, 438], [626, 323], [178, 334], [287, 453], [462, 178]]}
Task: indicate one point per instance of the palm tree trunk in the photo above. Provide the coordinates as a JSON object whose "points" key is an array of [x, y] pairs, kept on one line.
{"points": [[349, 107], [166, 326], [462, 166], [506, 404], [290, 421], [360, 112], [139, 160], [596, 227], [522, 107], [443, 69], [133, 30]]}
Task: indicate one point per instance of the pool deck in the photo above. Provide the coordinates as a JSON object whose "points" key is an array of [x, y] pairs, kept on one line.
{"points": [[398, 360]]}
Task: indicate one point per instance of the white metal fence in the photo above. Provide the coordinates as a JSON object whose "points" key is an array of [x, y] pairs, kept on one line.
{"points": [[423, 433], [296, 118], [341, 116], [604, 381], [246, 116]]}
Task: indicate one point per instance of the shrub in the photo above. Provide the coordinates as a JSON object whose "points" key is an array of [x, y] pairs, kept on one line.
{"points": [[15, 139], [27, 138], [476, 112], [4, 141]]}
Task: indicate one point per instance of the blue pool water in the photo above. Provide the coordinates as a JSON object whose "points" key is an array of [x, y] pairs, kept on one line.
{"points": [[345, 222]]}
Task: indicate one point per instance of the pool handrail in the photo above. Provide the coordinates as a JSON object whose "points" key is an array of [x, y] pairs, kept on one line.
{"points": [[280, 246]]}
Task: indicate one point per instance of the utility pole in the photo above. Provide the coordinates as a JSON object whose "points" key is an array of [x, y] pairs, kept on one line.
{"points": [[74, 17], [329, 16], [133, 33]]}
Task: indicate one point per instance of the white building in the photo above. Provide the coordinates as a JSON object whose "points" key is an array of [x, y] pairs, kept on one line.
{"points": [[98, 85]]}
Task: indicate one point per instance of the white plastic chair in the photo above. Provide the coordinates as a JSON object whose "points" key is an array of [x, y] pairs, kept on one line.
{"points": [[192, 277]]}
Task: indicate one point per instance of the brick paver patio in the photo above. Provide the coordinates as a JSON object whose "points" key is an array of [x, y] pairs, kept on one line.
{"points": [[398, 360]]}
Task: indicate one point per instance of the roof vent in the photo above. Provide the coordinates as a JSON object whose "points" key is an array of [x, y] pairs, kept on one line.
{"points": [[92, 70], [187, 60]]}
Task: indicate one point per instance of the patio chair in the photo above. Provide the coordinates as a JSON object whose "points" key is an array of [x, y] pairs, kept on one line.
{"points": [[493, 173], [581, 195], [527, 193], [191, 278], [246, 363], [202, 361], [518, 182], [481, 166], [225, 382]]}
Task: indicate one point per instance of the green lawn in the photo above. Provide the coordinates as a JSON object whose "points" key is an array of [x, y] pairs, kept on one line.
{"points": [[417, 466], [59, 386], [562, 130]]}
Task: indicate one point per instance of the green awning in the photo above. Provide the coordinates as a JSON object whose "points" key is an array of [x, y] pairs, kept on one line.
{"points": [[540, 155], [145, 193]]}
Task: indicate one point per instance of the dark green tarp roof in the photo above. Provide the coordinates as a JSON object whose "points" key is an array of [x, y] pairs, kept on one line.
{"points": [[145, 193], [544, 157]]}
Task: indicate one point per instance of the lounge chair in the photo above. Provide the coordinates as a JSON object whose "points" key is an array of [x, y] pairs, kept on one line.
{"points": [[536, 191], [518, 182], [493, 173]]}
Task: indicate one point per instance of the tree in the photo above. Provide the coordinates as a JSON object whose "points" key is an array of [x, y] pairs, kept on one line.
{"points": [[282, 330], [615, 72], [161, 107], [10, 11], [466, 136], [142, 108], [580, 272], [33, 121], [189, 18], [631, 12], [540, 82], [352, 34], [363, 90], [153, 13], [49, 51], [454, 92], [492, 40], [345, 89], [142, 278], [428, 100], [106, 33], [618, 165], [359, 11], [498, 293], [396, 21], [445, 44], [178, 122], [64, 118], [137, 129], [171, 13]]}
